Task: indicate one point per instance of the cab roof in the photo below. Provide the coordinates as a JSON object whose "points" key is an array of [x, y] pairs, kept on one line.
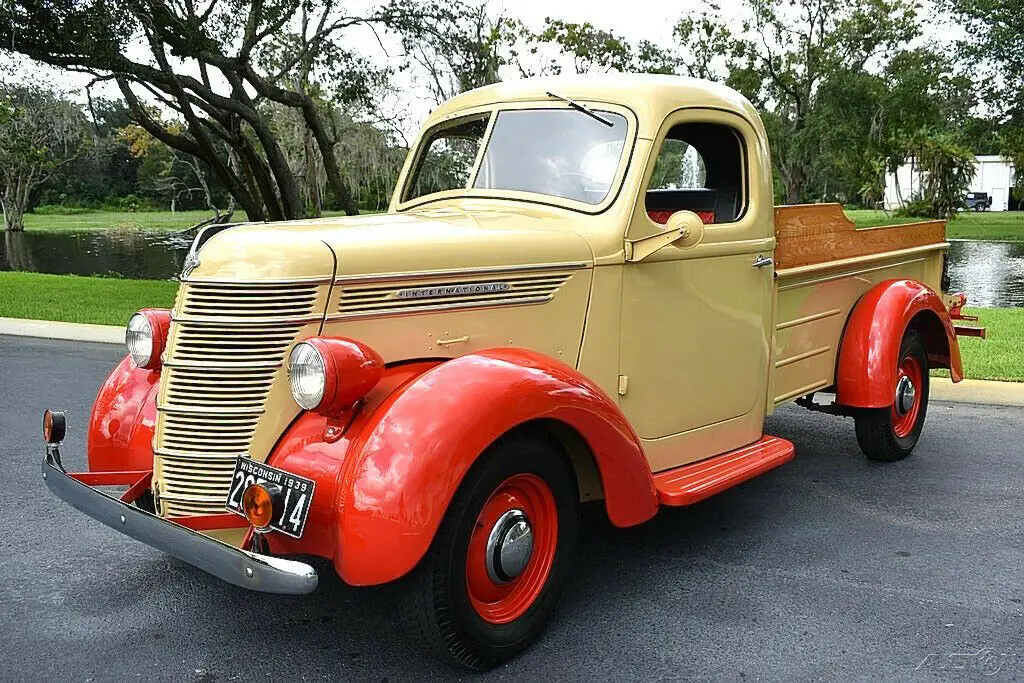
{"points": [[651, 96]]}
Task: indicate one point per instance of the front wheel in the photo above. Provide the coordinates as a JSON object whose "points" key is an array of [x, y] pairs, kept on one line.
{"points": [[500, 559], [890, 434]]}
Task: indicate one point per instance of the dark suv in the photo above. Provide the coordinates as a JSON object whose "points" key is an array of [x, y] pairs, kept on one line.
{"points": [[979, 201]]}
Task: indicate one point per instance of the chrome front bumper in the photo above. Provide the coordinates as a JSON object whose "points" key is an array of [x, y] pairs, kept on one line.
{"points": [[239, 567]]}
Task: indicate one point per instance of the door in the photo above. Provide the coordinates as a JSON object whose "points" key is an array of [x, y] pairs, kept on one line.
{"points": [[696, 320]]}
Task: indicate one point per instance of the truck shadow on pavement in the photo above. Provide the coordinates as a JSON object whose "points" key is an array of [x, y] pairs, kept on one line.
{"points": [[672, 558], [755, 560]]}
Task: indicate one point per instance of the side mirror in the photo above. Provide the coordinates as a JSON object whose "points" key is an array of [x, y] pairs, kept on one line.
{"points": [[684, 229]]}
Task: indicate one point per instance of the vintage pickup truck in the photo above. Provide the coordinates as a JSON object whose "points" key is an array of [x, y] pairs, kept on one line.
{"points": [[580, 292]]}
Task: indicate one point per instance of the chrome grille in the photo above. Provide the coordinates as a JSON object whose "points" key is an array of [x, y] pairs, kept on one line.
{"points": [[232, 345], [199, 388], [226, 354], [378, 299], [195, 485], [201, 434], [249, 300]]}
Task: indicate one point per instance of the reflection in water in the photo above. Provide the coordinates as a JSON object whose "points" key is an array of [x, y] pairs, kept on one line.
{"points": [[134, 254], [991, 273]]}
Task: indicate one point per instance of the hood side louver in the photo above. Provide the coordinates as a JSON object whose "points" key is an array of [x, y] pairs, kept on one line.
{"points": [[378, 299]]}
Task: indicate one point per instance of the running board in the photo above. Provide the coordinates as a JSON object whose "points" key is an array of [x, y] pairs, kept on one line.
{"points": [[691, 483]]}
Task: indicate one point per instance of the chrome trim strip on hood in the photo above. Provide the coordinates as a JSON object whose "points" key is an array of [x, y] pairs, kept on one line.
{"points": [[459, 272]]}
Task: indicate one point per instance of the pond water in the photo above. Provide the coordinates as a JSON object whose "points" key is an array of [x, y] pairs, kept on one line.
{"points": [[992, 273], [136, 254]]}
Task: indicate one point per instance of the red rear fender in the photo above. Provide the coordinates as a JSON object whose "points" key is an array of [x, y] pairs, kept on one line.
{"points": [[869, 355]]}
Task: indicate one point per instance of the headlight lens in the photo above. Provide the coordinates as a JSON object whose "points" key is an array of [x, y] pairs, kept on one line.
{"points": [[307, 375], [139, 340]]}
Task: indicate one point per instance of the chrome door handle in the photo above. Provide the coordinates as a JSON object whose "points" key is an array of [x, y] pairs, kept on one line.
{"points": [[762, 261]]}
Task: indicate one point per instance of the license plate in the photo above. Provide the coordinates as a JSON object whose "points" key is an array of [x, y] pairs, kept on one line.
{"points": [[296, 494]]}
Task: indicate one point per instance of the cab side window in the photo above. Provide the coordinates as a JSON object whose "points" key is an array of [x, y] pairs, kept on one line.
{"points": [[699, 168]]}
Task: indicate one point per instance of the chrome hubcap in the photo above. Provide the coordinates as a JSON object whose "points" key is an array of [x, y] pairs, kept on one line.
{"points": [[905, 395], [509, 546]]}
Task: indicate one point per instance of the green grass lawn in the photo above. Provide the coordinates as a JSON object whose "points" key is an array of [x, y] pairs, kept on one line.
{"points": [[108, 301], [104, 301], [124, 220], [984, 225], [1001, 355], [114, 220]]}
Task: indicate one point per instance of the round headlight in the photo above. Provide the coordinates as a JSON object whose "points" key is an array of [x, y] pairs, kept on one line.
{"points": [[307, 375], [146, 336], [139, 340]]}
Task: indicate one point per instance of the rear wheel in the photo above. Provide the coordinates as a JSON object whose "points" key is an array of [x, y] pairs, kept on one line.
{"points": [[500, 559], [889, 434]]}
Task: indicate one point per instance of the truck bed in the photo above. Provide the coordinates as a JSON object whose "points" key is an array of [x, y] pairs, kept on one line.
{"points": [[823, 266]]}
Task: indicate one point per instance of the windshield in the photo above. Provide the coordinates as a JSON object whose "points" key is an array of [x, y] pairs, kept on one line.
{"points": [[556, 152]]}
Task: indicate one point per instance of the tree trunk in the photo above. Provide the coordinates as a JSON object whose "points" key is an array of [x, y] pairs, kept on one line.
{"points": [[346, 202], [14, 219], [13, 205], [793, 181], [316, 201]]}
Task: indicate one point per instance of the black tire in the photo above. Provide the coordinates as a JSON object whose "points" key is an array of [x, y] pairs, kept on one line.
{"points": [[881, 432], [434, 599], [146, 502]]}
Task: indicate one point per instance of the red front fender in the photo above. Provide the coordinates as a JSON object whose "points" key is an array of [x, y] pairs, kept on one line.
{"points": [[398, 467], [123, 420], [869, 354]]}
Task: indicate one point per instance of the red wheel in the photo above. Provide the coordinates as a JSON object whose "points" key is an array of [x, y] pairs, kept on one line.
{"points": [[512, 549], [907, 404], [501, 558], [889, 434]]}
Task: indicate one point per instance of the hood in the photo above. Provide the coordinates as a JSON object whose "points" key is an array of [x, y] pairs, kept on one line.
{"points": [[437, 239]]}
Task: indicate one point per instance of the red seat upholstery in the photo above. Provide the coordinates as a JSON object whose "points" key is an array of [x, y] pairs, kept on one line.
{"points": [[662, 215]]}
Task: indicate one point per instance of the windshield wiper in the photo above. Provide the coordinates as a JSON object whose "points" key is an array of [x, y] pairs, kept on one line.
{"points": [[583, 108]]}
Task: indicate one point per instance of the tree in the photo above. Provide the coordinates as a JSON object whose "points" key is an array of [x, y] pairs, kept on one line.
{"points": [[863, 125], [787, 49], [599, 50], [946, 168], [104, 172], [215, 64], [458, 46], [374, 160], [710, 43], [995, 44], [39, 133], [169, 174]]}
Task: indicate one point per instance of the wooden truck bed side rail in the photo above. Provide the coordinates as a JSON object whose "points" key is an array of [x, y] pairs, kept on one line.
{"points": [[809, 234]]}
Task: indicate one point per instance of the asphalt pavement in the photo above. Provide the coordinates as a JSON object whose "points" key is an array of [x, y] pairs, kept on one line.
{"points": [[830, 567]]}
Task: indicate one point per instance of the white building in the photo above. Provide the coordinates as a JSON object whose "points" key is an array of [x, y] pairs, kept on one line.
{"points": [[993, 175]]}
